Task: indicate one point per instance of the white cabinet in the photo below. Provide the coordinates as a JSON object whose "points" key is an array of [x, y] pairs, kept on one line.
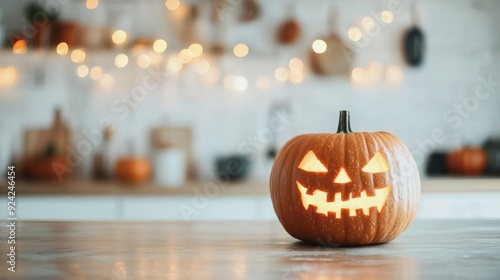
{"points": [[64, 208], [189, 208], [223, 207], [460, 205]]}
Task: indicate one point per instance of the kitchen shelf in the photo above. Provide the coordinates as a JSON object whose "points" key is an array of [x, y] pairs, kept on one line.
{"points": [[80, 187], [250, 188]]}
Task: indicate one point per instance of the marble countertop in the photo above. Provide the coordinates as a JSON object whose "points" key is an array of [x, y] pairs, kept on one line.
{"points": [[80, 187], [245, 250]]}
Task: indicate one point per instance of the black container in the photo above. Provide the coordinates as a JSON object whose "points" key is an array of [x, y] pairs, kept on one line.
{"points": [[436, 164], [492, 148], [232, 168]]}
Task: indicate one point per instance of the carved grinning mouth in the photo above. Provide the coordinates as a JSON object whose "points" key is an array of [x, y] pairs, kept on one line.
{"points": [[365, 202]]}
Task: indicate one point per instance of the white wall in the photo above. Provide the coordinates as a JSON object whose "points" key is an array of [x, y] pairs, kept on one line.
{"points": [[463, 44]]}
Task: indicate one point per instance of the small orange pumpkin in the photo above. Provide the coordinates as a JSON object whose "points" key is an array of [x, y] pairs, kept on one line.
{"points": [[467, 161], [133, 169], [345, 188]]}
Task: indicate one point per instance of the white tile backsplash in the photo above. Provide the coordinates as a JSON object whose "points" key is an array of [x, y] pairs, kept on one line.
{"points": [[462, 45]]}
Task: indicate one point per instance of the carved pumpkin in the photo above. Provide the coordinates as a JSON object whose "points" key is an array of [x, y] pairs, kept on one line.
{"points": [[467, 161], [345, 188]]}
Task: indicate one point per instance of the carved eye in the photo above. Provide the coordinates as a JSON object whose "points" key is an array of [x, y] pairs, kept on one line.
{"points": [[311, 163], [377, 164]]}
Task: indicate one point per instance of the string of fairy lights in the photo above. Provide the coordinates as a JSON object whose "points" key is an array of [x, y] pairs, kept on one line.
{"points": [[194, 56]]}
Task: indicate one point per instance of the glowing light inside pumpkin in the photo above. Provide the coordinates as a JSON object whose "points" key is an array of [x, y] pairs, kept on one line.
{"points": [[311, 163], [319, 200], [342, 177], [377, 164]]}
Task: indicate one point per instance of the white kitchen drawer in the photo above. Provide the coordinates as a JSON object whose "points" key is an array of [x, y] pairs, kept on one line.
{"points": [[460, 205], [188, 208], [484, 205], [64, 208]]}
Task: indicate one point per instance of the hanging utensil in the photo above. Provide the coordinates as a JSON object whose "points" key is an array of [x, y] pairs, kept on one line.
{"points": [[217, 12], [289, 31], [250, 10], [414, 41], [336, 59]]}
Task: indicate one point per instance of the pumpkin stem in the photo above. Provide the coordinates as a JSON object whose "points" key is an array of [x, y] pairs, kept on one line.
{"points": [[344, 122]]}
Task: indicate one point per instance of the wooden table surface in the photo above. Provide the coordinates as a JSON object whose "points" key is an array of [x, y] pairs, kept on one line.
{"points": [[246, 250]]}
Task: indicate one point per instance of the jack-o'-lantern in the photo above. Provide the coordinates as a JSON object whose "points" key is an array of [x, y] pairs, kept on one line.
{"points": [[345, 188]]}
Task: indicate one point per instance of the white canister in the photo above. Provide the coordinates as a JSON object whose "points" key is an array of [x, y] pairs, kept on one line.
{"points": [[169, 167]]}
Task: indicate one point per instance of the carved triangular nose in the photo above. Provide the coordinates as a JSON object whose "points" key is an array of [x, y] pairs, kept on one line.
{"points": [[342, 177]]}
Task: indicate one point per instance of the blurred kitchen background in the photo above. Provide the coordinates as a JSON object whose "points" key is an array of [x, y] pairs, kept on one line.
{"points": [[158, 109]]}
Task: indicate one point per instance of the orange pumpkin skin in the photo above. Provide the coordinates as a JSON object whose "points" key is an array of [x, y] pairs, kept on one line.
{"points": [[133, 169], [352, 152], [467, 161]]}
